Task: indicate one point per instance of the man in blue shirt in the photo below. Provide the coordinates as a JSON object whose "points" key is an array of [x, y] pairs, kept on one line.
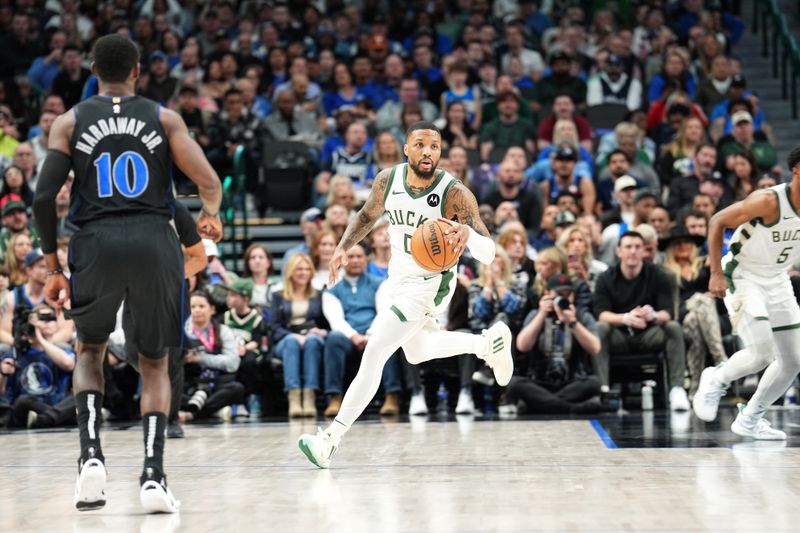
{"points": [[350, 308], [36, 374]]}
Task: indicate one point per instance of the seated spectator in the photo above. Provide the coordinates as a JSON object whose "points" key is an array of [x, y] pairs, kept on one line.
{"points": [[160, 86], [659, 219], [24, 160], [214, 85], [298, 330], [697, 311], [341, 192], [745, 175], [321, 253], [72, 76], [248, 326], [491, 108], [613, 86], [298, 70], [389, 114], [35, 377], [565, 132], [650, 250], [210, 364], [258, 269], [352, 160], [497, 295], [508, 189], [560, 81], [508, 129], [19, 246], [565, 178], [459, 91], [633, 302], [457, 164], [39, 142], [559, 341], [545, 237], [568, 201], [704, 204], [643, 204], [350, 307], [744, 137], [343, 93], [718, 190], [626, 139], [675, 72], [386, 154], [564, 109], [255, 105], [720, 117], [289, 124], [531, 60], [563, 220], [625, 188], [45, 68], [682, 149], [515, 243], [522, 82], [14, 183], [505, 212], [458, 131], [311, 221], [380, 250], [230, 129], [581, 264], [684, 186], [15, 220], [696, 223], [714, 88]]}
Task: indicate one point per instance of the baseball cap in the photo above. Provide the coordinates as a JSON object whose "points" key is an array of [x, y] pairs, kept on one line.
{"points": [[158, 55], [242, 286], [566, 153], [741, 116], [560, 55], [625, 182], [33, 257], [737, 80], [378, 42], [559, 282], [564, 218], [311, 214], [13, 202], [644, 193]]}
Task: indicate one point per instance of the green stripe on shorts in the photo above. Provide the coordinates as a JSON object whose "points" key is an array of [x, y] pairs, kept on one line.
{"points": [[784, 328], [399, 313], [444, 287], [762, 318]]}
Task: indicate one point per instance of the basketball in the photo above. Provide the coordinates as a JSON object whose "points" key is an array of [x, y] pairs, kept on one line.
{"points": [[430, 249]]}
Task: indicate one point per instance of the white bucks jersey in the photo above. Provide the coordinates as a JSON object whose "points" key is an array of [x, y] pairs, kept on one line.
{"points": [[767, 251], [406, 211]]}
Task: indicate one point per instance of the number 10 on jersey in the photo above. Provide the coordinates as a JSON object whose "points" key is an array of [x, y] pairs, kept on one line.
{"points": [[129, 175]]}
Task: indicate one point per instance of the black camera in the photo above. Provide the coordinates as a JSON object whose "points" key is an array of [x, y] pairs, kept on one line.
{"points": [[23, 329], [561, 302]]}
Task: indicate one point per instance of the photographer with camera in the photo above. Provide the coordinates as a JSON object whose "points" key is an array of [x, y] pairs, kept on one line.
{"points": [[560, 341], [36, 374]]}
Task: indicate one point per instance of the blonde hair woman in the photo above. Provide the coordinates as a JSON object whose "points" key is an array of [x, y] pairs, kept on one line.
{"points": [[689, 137], [575, 244], [565, 132], [341, 192], [298, 331], [387, 152], [549, 261], [514, 241], [697, 312], [19, 245], [496, 295]]}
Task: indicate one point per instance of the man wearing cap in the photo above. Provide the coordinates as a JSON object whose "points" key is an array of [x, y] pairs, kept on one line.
{"points": [[619, 165], [563, 220], [560, 341], [559, 82], [565, 178], [720, 118], [742, 138], [15, 220], [612, 85], [160, 85], [625, 188], [311, 221], [643, 204], [567, 200], [70, 80], [508, 129], [683, 188]]}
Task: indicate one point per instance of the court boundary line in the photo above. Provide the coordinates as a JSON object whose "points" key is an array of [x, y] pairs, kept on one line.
{"points": [[604, 436]]}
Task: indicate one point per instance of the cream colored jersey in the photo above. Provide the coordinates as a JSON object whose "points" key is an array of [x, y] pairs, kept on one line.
{"points": [[406, 211], [764, 252]]}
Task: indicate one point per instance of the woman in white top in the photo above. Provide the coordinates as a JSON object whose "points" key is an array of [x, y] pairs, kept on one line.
{"points": [[258, 267], [321, 252]]}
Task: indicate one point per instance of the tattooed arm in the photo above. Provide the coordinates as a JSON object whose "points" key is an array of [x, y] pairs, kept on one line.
{"points": [[467, 228], [359, 228]]}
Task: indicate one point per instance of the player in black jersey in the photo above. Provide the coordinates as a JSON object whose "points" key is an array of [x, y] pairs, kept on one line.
{"points": [[121, 147]]}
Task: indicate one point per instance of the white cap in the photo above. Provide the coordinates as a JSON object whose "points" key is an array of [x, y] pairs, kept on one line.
{"points": [[741, 116], [623, 182]]}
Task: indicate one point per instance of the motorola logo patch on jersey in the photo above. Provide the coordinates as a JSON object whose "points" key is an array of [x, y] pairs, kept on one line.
{"points": [[433, 200]]}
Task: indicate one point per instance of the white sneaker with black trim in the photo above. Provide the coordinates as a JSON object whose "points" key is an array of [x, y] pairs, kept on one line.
{"points": [[156, 497], [499, 357], [90, 486], [318, 448]]}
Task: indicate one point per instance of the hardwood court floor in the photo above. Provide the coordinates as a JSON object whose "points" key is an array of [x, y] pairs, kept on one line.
{"points": [[465, 475]]}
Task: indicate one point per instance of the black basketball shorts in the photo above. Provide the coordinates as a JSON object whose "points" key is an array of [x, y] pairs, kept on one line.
{"points": [[137, 259]]}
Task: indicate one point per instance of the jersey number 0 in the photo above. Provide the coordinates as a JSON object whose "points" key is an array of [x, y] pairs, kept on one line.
{"points": [[128, 175]]}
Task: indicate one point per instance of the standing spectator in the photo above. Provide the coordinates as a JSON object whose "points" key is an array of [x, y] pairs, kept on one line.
{"points": [[211, 364], [508, 189], [69, 81], [298, 331], [258, 269], [560, 81], [564, 109], [633, 302], [508, 129], [613, 86], [350, 307], [565, 179]]}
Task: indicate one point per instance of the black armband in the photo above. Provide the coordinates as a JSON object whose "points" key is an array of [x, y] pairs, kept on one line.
{"points": [[52, 177]]}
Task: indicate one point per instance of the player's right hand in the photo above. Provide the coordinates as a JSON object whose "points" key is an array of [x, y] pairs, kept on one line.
{"points": [[209, 227], [56, 290], [339, 258], [717, 285]]}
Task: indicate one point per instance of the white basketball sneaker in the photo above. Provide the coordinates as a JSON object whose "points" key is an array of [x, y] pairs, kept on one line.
{"points": [[709, 392], [499, 357], [318, 448], [90, 486], [465, 405], [155, 496], [759, 428], [417, 405]]}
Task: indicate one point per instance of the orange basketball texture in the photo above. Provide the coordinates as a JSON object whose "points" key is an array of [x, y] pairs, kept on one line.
{"points": [[430, 249]]}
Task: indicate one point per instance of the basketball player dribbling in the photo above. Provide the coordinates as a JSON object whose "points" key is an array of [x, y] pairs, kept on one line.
{"points": [[754, 280], [410, 194], [121, 147]]}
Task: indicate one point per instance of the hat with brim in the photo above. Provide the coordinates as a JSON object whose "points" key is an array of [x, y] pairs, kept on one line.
{"points": [[564, 218], [13, 205], [625, 182], [680, 233], [559, 282], [644, 193], [241, 286]]}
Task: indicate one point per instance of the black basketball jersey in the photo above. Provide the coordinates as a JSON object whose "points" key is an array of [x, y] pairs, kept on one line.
{"points": [[121, 159]]}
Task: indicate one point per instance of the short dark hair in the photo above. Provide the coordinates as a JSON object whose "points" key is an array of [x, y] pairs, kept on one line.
{"points": [[422, 125], [695, 214], [115, 56], [794, 157], [233, 91], [507, 95], [740, 101], [629, 233], [617, 151]]}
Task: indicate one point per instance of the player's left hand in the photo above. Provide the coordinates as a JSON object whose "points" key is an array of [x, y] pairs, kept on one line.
{"points": [[209, 227], [56, 290], [457, 235]]}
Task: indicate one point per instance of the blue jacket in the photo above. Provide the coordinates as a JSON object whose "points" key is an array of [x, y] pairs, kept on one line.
{"points": [[358, 303]]}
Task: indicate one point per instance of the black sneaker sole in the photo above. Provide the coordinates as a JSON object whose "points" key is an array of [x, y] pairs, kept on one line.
{"points": [[90, 506]]}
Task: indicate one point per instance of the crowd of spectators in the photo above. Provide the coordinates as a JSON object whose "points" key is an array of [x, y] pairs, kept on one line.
{"points": [[600, 229]]}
